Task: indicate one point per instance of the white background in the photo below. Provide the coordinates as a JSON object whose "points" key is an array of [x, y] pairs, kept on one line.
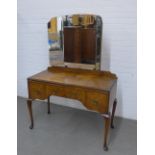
{"points": [[119, 43]]}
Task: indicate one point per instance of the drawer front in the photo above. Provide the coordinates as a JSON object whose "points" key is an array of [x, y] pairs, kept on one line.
{"points": [[37, 90], [75, 93], [55, 90], [97, 101]]}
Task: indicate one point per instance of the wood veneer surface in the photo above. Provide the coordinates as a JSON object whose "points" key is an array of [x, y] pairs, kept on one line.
{"points": [[78, 77]]}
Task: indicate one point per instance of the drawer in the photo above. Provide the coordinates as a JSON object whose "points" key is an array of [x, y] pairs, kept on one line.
{"points": [[97, 101], [75, 93], [37, 90], [55, 90]]}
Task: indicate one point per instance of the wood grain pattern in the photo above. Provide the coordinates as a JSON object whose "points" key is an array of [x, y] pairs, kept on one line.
{"points": [[99, 80], [80, 45], [72, 44], [75, 93], [95, 89], [88, 45], [52, 89], [97, 101], [37, 90]]}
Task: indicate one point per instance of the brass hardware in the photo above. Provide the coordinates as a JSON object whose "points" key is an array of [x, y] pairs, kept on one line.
{"points": [[95, 102]]}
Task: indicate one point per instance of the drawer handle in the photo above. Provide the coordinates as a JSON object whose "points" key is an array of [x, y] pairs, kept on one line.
{"points": [[95, 102]]}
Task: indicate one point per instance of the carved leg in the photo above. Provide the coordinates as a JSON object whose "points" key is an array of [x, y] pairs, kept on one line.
{"points": [[106, 129], [48, 105], [29, 105], [113, 113]]}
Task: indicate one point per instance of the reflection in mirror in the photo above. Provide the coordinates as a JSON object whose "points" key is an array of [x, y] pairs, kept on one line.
{"points": [[75, 40], [55, 40]]}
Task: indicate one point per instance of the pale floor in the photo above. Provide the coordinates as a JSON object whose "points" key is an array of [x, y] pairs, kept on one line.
{"points": [[68, 131]]}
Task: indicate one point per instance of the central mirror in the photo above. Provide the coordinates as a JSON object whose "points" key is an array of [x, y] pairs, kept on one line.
{"points": [[75, 41]]}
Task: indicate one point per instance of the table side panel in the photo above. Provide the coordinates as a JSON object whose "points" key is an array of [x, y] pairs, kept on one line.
{"points": [[112, 95], [37, 90]]}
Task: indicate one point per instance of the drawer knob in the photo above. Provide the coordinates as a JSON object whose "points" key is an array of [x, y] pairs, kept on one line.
{"points": [[95, 102]]}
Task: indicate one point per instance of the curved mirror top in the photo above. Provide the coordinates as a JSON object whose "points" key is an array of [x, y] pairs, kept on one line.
{"points": [[75, 39]]}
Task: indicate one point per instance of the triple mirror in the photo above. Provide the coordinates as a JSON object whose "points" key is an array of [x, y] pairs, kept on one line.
{"points": [[75, 40]]}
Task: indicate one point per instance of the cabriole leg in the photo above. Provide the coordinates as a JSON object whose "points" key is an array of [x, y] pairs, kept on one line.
{"points": [[106, 129], [113, 113], [48, 105], [29, 105]]}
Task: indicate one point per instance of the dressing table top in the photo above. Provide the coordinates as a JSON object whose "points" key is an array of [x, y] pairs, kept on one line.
{"points": [[99, 80]]}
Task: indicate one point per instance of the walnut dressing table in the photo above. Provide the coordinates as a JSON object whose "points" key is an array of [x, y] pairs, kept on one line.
{"points": [[95, 89], [74, 72]]}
